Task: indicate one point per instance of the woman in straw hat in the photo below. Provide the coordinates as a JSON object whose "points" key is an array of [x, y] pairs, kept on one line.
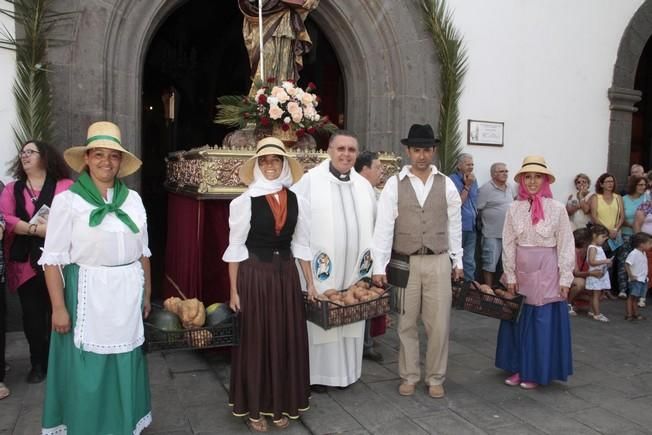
{"points": [[538, 259], [98, 275], [40, 174], [270, 369]]}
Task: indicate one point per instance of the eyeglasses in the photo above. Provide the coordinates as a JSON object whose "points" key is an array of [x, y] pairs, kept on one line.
{"points": [[27, 153]]}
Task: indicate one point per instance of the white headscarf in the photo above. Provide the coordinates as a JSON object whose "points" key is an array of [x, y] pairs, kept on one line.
{"points": [[262, 186]]}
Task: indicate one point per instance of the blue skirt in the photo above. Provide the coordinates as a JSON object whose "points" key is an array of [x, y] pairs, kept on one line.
{"points": [[538, 346]]}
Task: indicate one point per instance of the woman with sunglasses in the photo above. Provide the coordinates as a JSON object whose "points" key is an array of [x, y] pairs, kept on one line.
{"points": [[40, 174]]}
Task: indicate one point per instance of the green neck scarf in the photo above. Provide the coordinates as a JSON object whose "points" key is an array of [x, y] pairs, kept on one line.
{"points": [[85, 188]]}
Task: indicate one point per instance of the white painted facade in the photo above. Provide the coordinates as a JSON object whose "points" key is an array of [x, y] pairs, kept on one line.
{"points": [[7, 106], [543, 68]]}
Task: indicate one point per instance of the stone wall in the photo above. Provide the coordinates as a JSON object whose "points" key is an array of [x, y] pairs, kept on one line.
{"points": [[388, 61]]}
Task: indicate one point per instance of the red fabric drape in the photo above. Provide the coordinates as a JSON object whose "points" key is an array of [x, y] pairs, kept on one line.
{"points": [[197, 236], [184, 245], [215, 272]]}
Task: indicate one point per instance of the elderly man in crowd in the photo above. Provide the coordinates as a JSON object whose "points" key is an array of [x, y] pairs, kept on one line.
{"points": [[341, 208], [494, 198], [418, 234], [368, 165], [467, 186]]}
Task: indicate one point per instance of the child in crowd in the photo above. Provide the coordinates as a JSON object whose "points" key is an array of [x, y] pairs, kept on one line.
{"points": [[636, 266], [582, 238], [598, 261]]}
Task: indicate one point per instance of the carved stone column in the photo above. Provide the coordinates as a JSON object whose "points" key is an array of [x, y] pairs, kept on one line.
{"points": [[622, 104]]}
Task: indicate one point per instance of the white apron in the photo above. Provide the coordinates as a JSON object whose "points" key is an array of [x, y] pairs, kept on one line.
{"points": [[109, 308]]}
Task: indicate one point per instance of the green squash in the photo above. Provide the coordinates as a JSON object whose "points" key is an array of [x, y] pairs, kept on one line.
{"points": [[164, 320], [217, 313]]}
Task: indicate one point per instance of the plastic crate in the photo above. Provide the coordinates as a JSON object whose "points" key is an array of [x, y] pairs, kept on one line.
{"points": [[467, 297], [327, 314], [225, 334]]}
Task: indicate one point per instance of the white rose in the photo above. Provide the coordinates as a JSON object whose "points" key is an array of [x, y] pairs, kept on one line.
{"points": [[287, 120]]}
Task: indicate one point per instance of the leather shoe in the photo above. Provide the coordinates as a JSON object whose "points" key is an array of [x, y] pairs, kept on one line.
{"points": [[436, 391], [36, 375], [319, 389], [372, 355], [406, 389]]}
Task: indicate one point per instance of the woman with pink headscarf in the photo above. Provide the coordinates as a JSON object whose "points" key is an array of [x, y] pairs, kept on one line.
{"points": [[538, 259]]}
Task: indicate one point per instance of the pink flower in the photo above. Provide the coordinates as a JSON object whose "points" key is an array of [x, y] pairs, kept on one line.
{"points": [[275, 112], [280, 94], [297, 117], [293, 107]]}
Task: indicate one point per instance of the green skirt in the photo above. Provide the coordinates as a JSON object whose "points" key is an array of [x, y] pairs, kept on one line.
{"points": [[88, 393]]}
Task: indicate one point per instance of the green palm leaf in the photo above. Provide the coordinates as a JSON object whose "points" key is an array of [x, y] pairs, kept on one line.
{"points": [[452, 56], [31, 87]]}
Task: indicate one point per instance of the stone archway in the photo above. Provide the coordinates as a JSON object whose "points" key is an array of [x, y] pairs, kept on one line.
{"points": [[389, 65], [622, 95]]}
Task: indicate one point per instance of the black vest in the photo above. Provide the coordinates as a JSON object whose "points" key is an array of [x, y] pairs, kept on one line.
{"points": [[262, 240]]}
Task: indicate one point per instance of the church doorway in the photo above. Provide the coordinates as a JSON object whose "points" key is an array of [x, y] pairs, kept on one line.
{"points": [[196, 55], [641, 149]]}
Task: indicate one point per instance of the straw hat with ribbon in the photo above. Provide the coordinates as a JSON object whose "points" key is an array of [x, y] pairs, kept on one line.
{"points": [[102, 134], [265, 147], [535, 164]]}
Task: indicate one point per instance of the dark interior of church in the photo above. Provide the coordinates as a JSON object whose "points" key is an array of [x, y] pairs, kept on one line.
{"points": [[198, 54], [641, 151]]}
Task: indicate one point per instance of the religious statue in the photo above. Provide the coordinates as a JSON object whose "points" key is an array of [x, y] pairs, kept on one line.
{"points": [[285, 38]]}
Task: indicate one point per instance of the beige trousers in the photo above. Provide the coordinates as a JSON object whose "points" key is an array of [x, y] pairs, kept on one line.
{"points": [[428, 293]]}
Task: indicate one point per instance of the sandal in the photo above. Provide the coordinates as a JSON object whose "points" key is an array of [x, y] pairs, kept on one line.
{"points": [[638, 317], [259, 425], [629, 318], [282, 423]]}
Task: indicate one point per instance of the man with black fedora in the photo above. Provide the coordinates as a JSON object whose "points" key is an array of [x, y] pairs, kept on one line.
{"points": [[417, 244]]}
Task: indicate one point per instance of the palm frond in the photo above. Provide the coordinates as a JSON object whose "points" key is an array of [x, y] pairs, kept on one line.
{"points": [[438, 20], [31, 87]]}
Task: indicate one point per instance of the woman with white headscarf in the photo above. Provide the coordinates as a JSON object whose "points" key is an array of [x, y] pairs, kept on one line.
{"points": [[269, 369]]}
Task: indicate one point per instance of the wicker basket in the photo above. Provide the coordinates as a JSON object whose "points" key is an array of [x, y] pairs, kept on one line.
{"points": [[327, 314], [225, 334], [466, 296]]}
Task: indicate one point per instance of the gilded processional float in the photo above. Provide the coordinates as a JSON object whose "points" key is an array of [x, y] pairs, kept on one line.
{"points": [[202, 181]]}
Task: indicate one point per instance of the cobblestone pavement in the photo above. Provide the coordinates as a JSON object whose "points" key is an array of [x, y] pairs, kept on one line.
{"points": [[611, 391]]}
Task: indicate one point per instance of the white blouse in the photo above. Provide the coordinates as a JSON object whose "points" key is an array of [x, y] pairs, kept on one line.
{"points": [[553, 230], [71, 240], [240, 224]]}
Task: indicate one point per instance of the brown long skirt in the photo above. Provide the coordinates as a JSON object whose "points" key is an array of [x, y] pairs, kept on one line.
{"points": [[270, 372]]}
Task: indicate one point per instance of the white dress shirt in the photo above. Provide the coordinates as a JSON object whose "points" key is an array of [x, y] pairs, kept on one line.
{"points": [[388, 212]]}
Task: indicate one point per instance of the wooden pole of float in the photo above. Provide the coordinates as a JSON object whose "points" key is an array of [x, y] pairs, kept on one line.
{"points": [[260, 37]]}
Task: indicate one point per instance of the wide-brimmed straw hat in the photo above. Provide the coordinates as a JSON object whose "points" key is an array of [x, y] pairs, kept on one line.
{"points": [[102, 134], [269, 146], [535, 164]]}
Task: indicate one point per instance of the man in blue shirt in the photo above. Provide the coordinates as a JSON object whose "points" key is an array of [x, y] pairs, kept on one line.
{"points": [[467, 186]]}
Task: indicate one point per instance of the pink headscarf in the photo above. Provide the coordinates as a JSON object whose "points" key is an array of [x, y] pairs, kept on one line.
{"points": [[536, 206]]}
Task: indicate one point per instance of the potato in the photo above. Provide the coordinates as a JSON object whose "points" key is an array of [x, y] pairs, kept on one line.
{"points": [[364, 284], [331, 292], [379, 291]]}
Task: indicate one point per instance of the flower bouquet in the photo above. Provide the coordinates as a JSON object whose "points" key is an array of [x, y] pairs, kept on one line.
{"points": [[287, 110]]}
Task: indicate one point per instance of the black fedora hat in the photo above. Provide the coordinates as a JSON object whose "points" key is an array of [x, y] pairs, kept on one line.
{"points": [[421, 136]]}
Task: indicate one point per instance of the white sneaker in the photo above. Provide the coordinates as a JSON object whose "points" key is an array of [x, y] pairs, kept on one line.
{"points": [[622, 295], [641, 303], [601, 318], [571, 310]]}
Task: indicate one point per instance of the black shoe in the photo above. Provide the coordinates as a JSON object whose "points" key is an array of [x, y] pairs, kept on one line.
{"points": [[372, 355], [36, 375], [319, 389]]}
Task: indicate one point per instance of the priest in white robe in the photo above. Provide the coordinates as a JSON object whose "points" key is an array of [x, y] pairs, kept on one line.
{"points": [[341, 214]]}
